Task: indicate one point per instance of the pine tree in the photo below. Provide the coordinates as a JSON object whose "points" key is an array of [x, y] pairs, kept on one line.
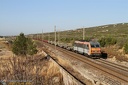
{"points": [[23, 46], [31, 47]]}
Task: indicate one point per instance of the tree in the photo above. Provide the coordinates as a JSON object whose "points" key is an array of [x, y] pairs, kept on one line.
{"points": [[107, 41], [126, 48], [102, 42], [23, 46], [31, 47]]}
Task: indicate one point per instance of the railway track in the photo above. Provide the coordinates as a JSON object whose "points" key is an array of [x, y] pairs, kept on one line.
{"points": [[118, 66], [115, 71]]}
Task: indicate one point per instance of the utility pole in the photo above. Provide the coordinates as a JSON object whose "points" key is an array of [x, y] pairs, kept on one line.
{"points": [[42, 35], [55, 38], [58, 36], [83, 33], [48, 37], [37, 36]]}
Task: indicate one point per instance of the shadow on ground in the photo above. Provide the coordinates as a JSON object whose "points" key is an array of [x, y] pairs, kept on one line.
{"points": [[104, 55]]}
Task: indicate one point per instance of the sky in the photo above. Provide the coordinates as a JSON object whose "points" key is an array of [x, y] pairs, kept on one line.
{"points": [[33, 16]]}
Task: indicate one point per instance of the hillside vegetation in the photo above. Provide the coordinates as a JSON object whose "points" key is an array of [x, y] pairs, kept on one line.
{"points": [[115, 31], [112, 35]]}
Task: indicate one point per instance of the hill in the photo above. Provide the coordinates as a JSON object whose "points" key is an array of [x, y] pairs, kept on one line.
{"points": [[118, 31]]}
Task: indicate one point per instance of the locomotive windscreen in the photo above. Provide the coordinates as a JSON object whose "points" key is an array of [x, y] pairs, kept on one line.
{"points": [[95, 44]]}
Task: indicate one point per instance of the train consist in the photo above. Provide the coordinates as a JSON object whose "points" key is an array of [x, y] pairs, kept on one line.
{"points": [[87, 48]]}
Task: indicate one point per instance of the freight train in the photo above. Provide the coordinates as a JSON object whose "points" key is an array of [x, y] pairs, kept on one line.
{"points": [[87, 48]]}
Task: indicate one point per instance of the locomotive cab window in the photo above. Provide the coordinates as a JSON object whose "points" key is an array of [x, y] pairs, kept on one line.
{"points": [[92, 45], [95, 45]]}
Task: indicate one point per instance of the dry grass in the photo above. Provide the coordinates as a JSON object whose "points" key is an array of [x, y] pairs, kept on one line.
{"points": [[36, 69], [4, 45], [113, 52]]}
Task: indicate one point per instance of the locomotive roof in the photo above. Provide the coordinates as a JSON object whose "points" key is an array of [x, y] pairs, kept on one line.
{"points": [[94, 42], [84, 41]]}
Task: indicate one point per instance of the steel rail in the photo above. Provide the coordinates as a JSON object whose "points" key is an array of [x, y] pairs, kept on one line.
{"points": [[118, 66]]}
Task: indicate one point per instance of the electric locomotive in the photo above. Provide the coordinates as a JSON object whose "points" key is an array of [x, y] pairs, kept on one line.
{"points": [[89, 48]]}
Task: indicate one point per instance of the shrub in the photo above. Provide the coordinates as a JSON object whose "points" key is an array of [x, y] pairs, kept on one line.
{"points": [[107, 41], [31, 47], [126, 48], [121, 42], [23, 46], [102, 42]]}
